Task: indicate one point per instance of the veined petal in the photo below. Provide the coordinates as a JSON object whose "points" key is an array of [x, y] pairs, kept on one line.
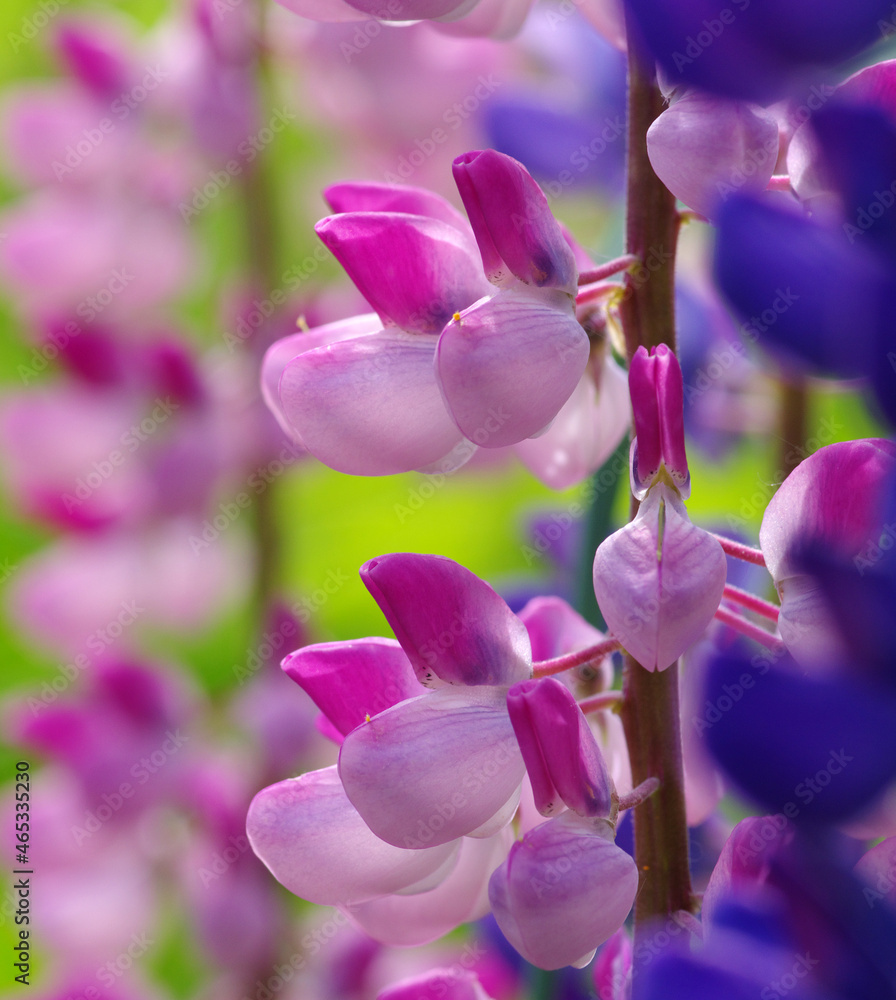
{"points": [[704, 148], [314, 842], [433, 768], [556, 628], [452, 625], [508, 364], [415, 271], [282, 351], [834, 496], [517, 234], [349, 681], [350, 404], [659, 580], [368, 196], [561, 755], [437, 984], [585, 432], [562, 892], [404, 920]]}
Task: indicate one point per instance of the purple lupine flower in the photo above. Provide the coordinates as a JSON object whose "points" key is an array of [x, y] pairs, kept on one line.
{"points": [[478, 366], [658, 580], [439, 984], [755, 51], [565, 888]]}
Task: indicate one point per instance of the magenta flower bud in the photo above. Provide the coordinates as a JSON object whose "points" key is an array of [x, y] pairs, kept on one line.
{"points": [[564, 889], [659, 580], [657, 391], [518, 236], [559, 750]]}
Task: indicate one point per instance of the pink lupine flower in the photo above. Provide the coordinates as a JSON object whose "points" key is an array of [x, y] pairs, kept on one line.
{"points": [[439, 984], [494, 18], [833, 497], [704, 148], [659, 580], [565, 887], [482, 360]]}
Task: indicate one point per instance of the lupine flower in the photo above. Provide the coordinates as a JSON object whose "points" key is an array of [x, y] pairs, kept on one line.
{"points": [[565, 887], [833, 499], [439, 984], [477, 368], [495, 18], [659, 580], [816, 290], [704, 148], [754, 51]]}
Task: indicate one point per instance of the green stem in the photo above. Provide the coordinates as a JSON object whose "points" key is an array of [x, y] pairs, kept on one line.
{"points": [[650, 711]]}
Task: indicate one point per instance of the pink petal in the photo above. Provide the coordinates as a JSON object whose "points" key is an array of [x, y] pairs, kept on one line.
{"points": [[585, 432], [349, 681], [508, 365], [518, 236], [832, 496], [562, 759], [437, 984], [314, 842], [562, 892], [423, 917], [368, 196], [555, 628], [416, 272], [433, 768], [349, 404], [656, 592], [706, 148], [499, 19], [657, 392], [411, 10], [325, 10], [452, 625]]}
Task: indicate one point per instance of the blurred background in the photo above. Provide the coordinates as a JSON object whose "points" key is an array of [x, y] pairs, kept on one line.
{"points": [[164, 545]]}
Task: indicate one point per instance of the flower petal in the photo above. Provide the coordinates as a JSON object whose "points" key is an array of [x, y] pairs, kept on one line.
{"points": [[368, 196], [658, 587], [433, 768], [282, 351], [314, 842], [508, 365], [423, 917], [452, 625], [562, 758], [518, 236], [437, 984], [349, 403], [349, 681], [415, 271], [562, 892]]}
